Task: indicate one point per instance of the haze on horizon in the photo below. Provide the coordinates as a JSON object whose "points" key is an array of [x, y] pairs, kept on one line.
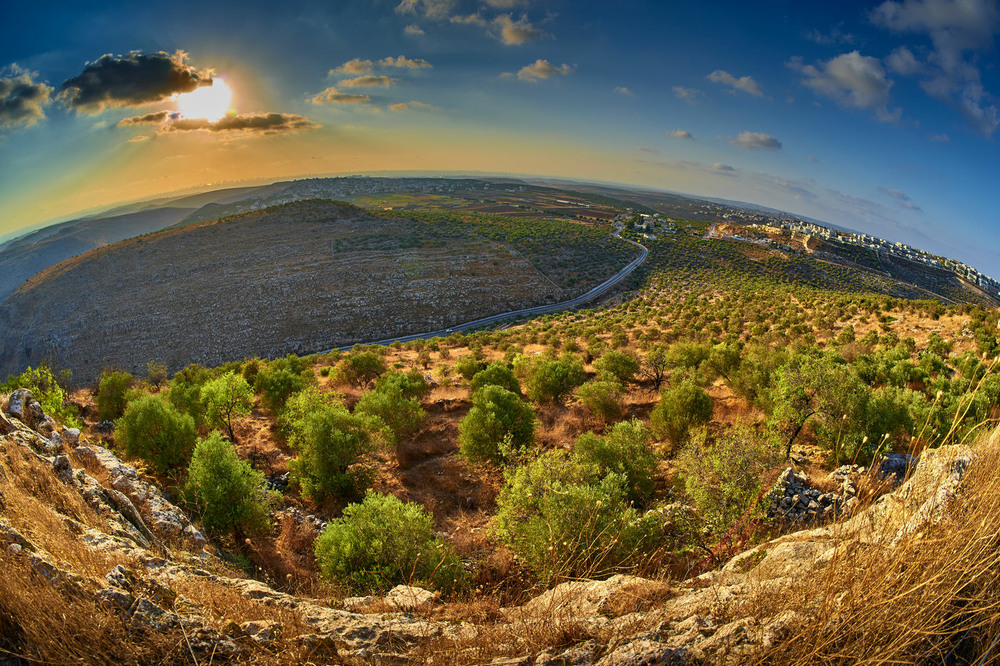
{"points": [[877, 116]]}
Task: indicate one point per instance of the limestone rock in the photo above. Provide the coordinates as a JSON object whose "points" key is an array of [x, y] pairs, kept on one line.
{"points": [[23, 407], [408, 597]]}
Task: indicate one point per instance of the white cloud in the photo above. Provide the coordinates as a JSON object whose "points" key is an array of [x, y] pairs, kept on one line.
{"points": [[753, 140], [851, 80], [941, 138], [366, 81], [835, 36], [505, 4], [744, 83], [542, 69], [333, 96], [402, 62], [902, 199], [432, 9], [689, 95], [414, 31], [355, 66], [470, 19], [515, 33], [680, 134], [622, 90], [902, 61], [954, 27]]}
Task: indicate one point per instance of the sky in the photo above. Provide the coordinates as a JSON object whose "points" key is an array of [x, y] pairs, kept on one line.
{"points": [[877, 116]]}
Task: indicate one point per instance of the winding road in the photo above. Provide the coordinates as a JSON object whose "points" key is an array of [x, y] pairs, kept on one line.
{"points": [[537, 310]]}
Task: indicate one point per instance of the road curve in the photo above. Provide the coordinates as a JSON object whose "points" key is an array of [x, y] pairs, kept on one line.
{"points": [[538, 310]]}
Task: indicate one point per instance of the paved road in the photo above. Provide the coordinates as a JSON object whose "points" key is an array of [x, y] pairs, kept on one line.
{"points": [[539, 310]]}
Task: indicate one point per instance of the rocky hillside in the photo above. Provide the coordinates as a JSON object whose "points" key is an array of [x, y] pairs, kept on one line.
{"points": [[298, 278], [98, 561]]}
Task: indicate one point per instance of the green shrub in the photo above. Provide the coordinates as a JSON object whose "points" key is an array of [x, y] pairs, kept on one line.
{"points": [[276, 384], [156, 432], [680, 407], [617, 366], [548, 380], [329, 442], [603, 399], [498, 420], [47, 390], [110, 397], [229, 493], [411, 384], [723, 478], [625, 451], [156, 374], [565, 523], [185, 391], [226, 398], [496, 374], [299, 406], [400, 415], [383, 542], [468, 366], [360, 369]]}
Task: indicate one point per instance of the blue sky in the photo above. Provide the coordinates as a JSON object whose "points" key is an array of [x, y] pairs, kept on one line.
{"points": [[879, 116]]}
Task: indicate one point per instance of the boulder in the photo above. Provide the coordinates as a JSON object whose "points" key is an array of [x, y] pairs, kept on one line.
{"points": [[408, 597], [23, 407]]}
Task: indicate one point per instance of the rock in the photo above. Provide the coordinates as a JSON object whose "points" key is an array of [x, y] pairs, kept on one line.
{"points": [[62, 467], [6, 427], [261, 632], [408, 597], [71, 436], [23, 407], [581, 654], [895, 467], [580, 598], [354, 604], [105, 428]]}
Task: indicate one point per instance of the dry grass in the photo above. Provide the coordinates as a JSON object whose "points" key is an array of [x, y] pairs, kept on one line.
{"points": [[932, 598]]}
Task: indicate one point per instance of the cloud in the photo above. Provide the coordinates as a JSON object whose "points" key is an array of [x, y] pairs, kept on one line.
{"points": [[414, 31], [406, 106], [155, 118], [902, 61], [835, 36], [744, 83], [754, 140], [902, 199], [505, 4], [689, 95], [470, 19], [954, 27], [135, 79], [333, 96], [543, 69], [432, 9], [811, 158], [941, 138], [723, 169], [622, 90], [355, 66], [22, 99], [264, 123], [645, 149], [852, 80], [138, 138], [402, 62], [366, 81], [681, 134], [515, 33]]}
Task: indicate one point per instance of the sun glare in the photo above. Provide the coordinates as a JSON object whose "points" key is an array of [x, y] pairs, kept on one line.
{"points": [[209, 102]]}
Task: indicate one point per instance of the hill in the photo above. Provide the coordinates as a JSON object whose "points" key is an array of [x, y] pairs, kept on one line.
{"points": [[296, 278]]}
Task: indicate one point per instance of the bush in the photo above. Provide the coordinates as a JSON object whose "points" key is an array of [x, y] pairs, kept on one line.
{"points": [[329, 441], [401, 415], [226, 398], [496, 374], [497, 421], [680, 408], [383, 542], [549, 380], [724, 478], [625, 451], [565, 523], [111, 391], [468, 366], [156, 432], [299, 406], [411, 384], [185, 391], [617, 366], [276, 384], [228, 492], [47, 390], [603, 399], [360, 369]]}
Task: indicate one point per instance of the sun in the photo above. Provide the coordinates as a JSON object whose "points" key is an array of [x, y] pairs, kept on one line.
{"points": [[208, 102]]}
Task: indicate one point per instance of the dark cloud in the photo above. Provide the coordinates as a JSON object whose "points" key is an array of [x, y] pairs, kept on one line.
{"points": [[22, 99], [131, 80], [332, 95], [155, 118], [265, 123]]}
